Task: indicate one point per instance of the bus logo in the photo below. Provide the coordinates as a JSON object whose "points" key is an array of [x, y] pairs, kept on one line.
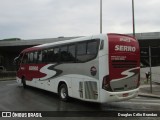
{"points": [[125, 39], [125, 48], [93, 71]]}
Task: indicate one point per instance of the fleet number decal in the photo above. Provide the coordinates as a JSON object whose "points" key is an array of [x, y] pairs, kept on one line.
{"points": [[33, 68]]}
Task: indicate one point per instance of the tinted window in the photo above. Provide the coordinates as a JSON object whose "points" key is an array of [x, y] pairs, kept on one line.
{"points": [[25, 58], [31, 57], [81, 48], [39, 56], [72, 53], [66, 56], [44, 56], [56, 55], [64, 49], [35, 57], [87, 50], [92, 48], [50, 55]]}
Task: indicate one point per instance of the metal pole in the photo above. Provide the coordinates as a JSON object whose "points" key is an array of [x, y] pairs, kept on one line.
{"points": [[150, 64], [133, 19], [100, 16]]}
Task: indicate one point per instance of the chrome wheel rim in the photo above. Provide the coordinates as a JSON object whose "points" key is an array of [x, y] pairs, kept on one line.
{"points": [[63, 93]]}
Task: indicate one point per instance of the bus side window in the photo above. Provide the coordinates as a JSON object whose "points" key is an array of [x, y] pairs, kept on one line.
{"points": [[28, 55], [35, 57], [56, 55], [87, 50], [44, 56], [31, 57], [81, 51], [92, 48], [50, 55], [64, 54], [71, 53], [39, 57]]}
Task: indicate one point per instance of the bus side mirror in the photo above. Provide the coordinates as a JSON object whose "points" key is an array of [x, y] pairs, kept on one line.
{"points": [[15, 60]]}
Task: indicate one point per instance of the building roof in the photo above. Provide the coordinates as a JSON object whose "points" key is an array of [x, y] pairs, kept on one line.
{"points": [[148, 35], [32, 42]]}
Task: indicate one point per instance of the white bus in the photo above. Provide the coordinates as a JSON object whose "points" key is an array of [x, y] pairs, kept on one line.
{"points": [[101, 68]]}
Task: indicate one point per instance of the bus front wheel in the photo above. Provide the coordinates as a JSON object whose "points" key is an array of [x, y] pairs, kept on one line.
{"points": [[24, 82], [63, 92]]}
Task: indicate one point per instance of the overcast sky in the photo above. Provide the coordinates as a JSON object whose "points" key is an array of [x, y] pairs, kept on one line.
{"points": [[33, 19]]}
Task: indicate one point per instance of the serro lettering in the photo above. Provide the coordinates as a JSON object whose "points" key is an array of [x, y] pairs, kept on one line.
{"points": [[125, 48]]}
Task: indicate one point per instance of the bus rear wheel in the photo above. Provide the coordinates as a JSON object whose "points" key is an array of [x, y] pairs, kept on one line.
{"points": [[63, 92]]}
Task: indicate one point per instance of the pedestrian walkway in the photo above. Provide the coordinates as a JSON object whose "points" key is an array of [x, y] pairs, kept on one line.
{"points": [[145, 89]]}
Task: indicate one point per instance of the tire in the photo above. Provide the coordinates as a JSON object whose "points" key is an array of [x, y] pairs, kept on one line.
{"points": [[24, 83], [63, 92]]}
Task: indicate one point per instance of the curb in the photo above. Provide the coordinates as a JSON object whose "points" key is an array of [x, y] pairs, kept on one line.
{"points": [[148, 95], [9, 79]]}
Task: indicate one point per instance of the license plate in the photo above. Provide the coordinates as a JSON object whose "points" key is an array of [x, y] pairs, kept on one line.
{"points": [[125, 94]]}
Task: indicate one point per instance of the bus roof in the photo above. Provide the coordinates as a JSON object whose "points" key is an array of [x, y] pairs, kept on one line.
{"points": [[121, 35], [47, 45]]}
